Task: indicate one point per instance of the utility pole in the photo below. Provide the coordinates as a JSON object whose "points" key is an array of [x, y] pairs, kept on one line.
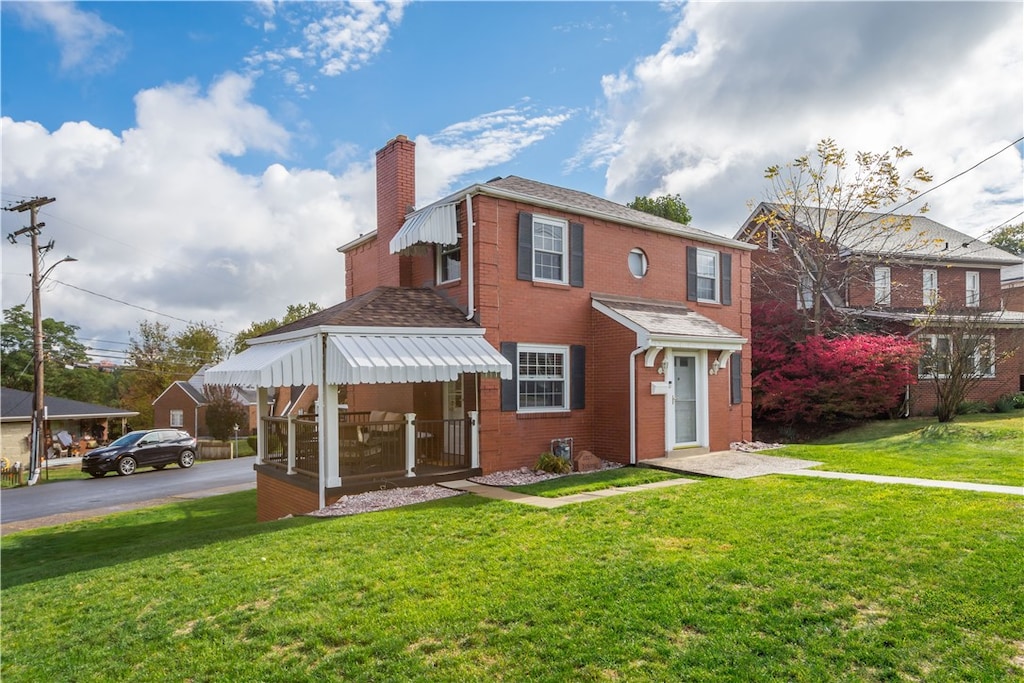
{"points": [[38, 409]]}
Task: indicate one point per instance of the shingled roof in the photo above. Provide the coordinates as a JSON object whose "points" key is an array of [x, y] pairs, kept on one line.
{"points": [[16, 405], [386, 307]]}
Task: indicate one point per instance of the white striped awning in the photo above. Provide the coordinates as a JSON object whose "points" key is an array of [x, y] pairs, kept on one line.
{"points": [[364, 358], [279, 364], [430, 225], [399, 358]]}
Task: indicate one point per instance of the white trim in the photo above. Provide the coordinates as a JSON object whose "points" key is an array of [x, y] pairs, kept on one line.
{"points": [[929, 294], [701, 391], [553, 222], [560, 349], [716, 257], [972, 296], [883, 286]]}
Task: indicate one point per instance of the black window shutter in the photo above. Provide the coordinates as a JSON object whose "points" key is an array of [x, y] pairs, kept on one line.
{"points": [[510, 387], [576, 254], [691, 273], [578, 377], [726, 260], [736, 378], [525, 268]]}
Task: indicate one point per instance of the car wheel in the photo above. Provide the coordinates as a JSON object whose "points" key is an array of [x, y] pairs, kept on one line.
{"points": [[97, 474], [186, 459], [126, 465]]}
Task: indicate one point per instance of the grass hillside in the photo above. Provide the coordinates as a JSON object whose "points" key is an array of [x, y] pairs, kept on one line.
{"points": [[773, 578]]}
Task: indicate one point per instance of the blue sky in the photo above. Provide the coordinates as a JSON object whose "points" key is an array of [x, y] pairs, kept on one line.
{"points": [[208, 158]]}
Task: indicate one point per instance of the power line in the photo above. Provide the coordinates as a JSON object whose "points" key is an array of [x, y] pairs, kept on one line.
{"points": [[141, 308]]}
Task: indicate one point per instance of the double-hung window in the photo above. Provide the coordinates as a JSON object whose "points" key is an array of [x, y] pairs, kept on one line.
{"points": [[177, 418], [707, 275], [930, 287], [974, 356], [449, 262], [549, 249], [543, 373], [883, 286], [973, 293]]}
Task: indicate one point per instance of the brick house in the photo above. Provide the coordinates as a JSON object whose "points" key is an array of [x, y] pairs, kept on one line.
{"points": [[182, 405], [505, 320], [918, 278]]}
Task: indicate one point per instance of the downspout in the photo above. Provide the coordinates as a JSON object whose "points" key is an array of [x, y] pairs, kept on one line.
{"points": [[632, 402], [322, 419], [469, 258]]}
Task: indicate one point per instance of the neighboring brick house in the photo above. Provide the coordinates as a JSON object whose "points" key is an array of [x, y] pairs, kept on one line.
{"points": [[920, 279], [505, 320], [182, 405]]}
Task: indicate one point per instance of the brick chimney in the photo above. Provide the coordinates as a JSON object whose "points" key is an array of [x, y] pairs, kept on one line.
{"points": [[396, 197]]}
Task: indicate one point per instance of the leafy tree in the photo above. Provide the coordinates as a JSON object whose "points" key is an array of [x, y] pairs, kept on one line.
{"points": [[1009, 238], [814, 378], [820, 209], [670, 206], [293, 313], [223, 412], [156, 358], [60, 347]]}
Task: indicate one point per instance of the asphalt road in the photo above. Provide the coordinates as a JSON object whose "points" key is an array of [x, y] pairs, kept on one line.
{"points": [[60, 501]]}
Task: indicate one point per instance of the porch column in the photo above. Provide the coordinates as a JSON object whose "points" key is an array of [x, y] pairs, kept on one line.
{"points": [[262, 410], [474, 438], [329, 443], [410, 444], [291, 444]]}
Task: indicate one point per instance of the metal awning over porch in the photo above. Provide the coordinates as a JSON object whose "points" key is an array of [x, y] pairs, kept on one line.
{"points": [[669, 325], [362, 357]]}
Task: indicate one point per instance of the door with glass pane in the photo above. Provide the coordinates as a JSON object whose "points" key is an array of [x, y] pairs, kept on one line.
{"points": [[454, 409], [684, 398]]}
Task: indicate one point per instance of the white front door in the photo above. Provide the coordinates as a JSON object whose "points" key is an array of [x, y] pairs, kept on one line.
{"points": [[687, 416], [454, 409]]}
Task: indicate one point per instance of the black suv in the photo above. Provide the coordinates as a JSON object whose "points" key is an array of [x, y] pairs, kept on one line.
{"points": [[146, 448]]}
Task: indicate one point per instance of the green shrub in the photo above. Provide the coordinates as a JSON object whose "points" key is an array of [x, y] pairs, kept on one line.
{"points": [[1018, 400], [251, 440], [973, 408], [1005, 404], [549, 462]]}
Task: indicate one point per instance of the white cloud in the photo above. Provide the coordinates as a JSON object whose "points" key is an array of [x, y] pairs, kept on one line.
{"points": [[739, 86], [342, 37], [479, 143], [87, 43], [157, 216]]}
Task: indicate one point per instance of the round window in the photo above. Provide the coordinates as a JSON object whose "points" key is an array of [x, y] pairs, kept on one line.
{"points": [[638, 263]]}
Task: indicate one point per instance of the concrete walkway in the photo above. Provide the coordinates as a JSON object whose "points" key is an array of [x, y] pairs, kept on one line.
{"points": [[913, 481], [498, 493]]}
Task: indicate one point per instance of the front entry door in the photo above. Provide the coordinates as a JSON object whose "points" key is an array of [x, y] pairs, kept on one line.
{"points": [[684, 398], [454, 409]]}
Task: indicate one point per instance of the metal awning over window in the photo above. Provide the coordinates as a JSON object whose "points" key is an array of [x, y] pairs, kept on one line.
{"points": [[398, 358], [277, 364], [431, 225]]}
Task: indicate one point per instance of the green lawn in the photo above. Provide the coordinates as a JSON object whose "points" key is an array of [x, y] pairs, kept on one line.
{"points": [[773, 578], [594, 481], [986, 449]]}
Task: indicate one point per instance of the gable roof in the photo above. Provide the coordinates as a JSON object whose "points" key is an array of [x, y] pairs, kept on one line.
{"points": [[923, 238], [385, 307], [543, 195], [16, 405]]}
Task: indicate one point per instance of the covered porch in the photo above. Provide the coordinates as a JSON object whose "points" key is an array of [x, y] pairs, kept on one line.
{"points": [[396, 406]]}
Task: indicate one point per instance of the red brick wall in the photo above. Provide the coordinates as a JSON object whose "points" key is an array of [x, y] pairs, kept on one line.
{"points": [[175, 398], [1014, 297], [396, 197], [361, 269], [276, 499], [908, 286]]}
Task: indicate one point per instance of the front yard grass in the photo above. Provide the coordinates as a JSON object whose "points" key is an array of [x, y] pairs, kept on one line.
{"points": [[984, 449], [773, 578], [594, 481]]}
